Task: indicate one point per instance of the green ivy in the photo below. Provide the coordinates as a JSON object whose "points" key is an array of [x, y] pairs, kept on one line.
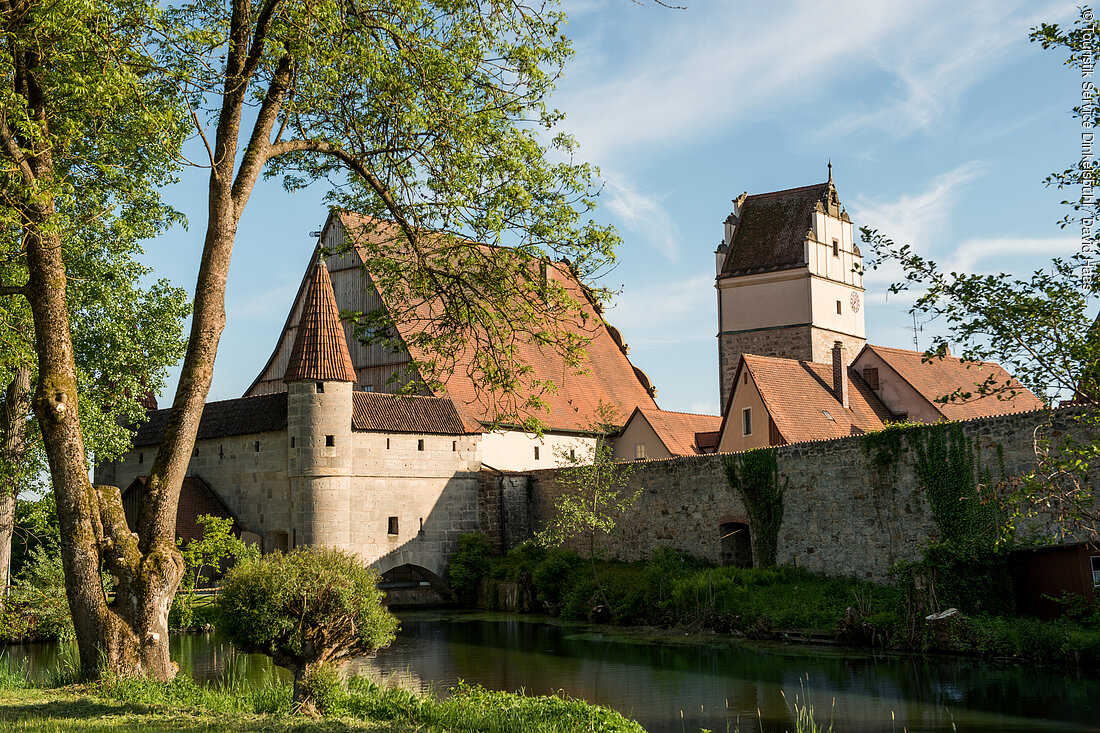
{"points": [[755, 476]]}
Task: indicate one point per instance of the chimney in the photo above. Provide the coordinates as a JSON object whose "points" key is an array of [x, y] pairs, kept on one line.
{"points": [[840, 374]]}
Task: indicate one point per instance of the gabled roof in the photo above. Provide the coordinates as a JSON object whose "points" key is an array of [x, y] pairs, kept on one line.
{"points": [[241, 416], [771, 230], [677, 430], [320, 350], [799, 398], [393, 413], [940, 377], [607, 374]]}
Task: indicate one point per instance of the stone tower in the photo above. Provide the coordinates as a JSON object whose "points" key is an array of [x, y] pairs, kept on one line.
{"points": [[789, 279], [319, 378]]}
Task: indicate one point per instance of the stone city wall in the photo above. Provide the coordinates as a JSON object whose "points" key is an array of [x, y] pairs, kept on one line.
{"points": [[841, 515]]}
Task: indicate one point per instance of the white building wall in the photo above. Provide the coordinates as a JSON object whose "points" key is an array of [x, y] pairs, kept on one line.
{"points": [[514, 450]]}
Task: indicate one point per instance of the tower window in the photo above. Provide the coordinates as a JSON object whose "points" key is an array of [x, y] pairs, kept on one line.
{"points": [[536, 452], [291, 441], [257, 446], [320, 387], [836, 248], [391, 526], [454, 445], [387, 443], [838, 311], [330, 440], [420, 444], [746, 421], [141, 458]]}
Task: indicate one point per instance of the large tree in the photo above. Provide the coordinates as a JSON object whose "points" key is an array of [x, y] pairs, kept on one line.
{"points": [[431, 115]]}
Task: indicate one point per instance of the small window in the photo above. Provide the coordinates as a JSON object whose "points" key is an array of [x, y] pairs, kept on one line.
{"points": [[257, 446], [836, 248], [320, 388], [387, 443], [391, 526], [420, 444], [141, 458], [291, 441], [838, 311], [454, 445], [368, 387], [221, 452], [745, 378], [746, 421], [828, 415], [870, 376], [1096, 571], [330, 440], [536, 452], [639, 451], [572, 454]]}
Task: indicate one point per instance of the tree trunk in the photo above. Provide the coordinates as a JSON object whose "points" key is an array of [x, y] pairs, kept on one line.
{"points": [[13, 432]]}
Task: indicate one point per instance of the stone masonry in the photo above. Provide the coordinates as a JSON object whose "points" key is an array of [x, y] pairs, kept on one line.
{"points": [[841, 516]]}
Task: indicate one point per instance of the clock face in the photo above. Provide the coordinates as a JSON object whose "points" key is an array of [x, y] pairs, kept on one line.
{"points": [[855, 302]]}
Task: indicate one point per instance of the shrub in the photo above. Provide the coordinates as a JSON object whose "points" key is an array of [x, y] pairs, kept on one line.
{"points": [[310, 607], [468, 564], [38, 607]]}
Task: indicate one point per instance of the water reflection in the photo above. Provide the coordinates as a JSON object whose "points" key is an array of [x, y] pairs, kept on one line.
{"points": [[711, 685]]}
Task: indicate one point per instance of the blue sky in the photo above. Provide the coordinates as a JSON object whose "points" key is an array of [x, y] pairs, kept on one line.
{"points": [[940, 118]]}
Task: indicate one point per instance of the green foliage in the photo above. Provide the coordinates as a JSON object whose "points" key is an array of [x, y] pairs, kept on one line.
{"points": [[754, 475], [324, 687], [312, 605], [35, 526], [218, 544], [38, 607], [468, 564]]}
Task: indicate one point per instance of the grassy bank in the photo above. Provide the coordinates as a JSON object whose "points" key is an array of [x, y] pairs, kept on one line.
{"points": [[674, 590], [141, 705]]}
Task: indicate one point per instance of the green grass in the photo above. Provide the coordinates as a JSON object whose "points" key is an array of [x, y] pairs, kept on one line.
{"points": [[181, 705]]}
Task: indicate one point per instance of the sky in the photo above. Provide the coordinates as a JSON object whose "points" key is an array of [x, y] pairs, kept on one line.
{"points": [[940, 118]]}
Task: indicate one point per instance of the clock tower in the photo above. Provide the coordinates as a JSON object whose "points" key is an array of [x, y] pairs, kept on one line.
{"points": [[789, 279]]}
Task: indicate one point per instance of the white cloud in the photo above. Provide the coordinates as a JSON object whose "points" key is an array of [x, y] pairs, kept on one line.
{"points": [[917, 219], [988, 255], [666, 313], [644, 215], [668, 77]]}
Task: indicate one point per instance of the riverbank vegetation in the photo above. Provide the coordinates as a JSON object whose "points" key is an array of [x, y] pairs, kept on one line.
{"points": [[122, 705], [676, 590]]}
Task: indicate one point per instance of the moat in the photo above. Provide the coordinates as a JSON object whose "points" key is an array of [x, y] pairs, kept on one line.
{"points": [[686, 683]]}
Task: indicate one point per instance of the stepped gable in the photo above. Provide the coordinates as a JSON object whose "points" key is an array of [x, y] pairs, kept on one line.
{"points": [[940, 377], [679, 430], [394, 413], [241, 416], [798, 394], [607, 374], [320, 350], [771, 230]]}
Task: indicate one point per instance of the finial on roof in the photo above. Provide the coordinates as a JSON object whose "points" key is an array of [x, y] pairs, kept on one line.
{"points": [[320, 350], [830, 170]]}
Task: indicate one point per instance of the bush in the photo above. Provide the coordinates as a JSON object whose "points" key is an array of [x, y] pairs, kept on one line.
{"points": [[38, 608], [311, 607], [468, 564]]}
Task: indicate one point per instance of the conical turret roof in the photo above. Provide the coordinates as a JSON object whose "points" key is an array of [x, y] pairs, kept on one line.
{"points": [[320, 351]]}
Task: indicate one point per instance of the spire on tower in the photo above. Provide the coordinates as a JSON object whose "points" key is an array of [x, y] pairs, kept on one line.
{"points": [[320, 350]]}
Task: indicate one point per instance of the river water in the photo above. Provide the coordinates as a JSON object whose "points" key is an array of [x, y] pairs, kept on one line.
{"points": [[681, 685]]}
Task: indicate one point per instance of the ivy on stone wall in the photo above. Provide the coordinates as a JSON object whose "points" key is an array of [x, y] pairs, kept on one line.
{"points": [[755, 477]]}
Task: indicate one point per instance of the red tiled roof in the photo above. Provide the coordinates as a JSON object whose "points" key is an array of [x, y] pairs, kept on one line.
{"points": [[708, 442], [406, 414], [240, 416], [798, 394], [196, 499], [320, 350], [771, 230], [607, 375], [677, 430], [940, 377]]}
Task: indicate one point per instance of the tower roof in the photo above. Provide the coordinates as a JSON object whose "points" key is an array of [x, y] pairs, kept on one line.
{"points": [[320, 350], [771, 229]]}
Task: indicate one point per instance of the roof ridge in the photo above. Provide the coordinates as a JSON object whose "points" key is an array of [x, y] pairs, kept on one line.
{"points": [[786, 190], [679, 412]]}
